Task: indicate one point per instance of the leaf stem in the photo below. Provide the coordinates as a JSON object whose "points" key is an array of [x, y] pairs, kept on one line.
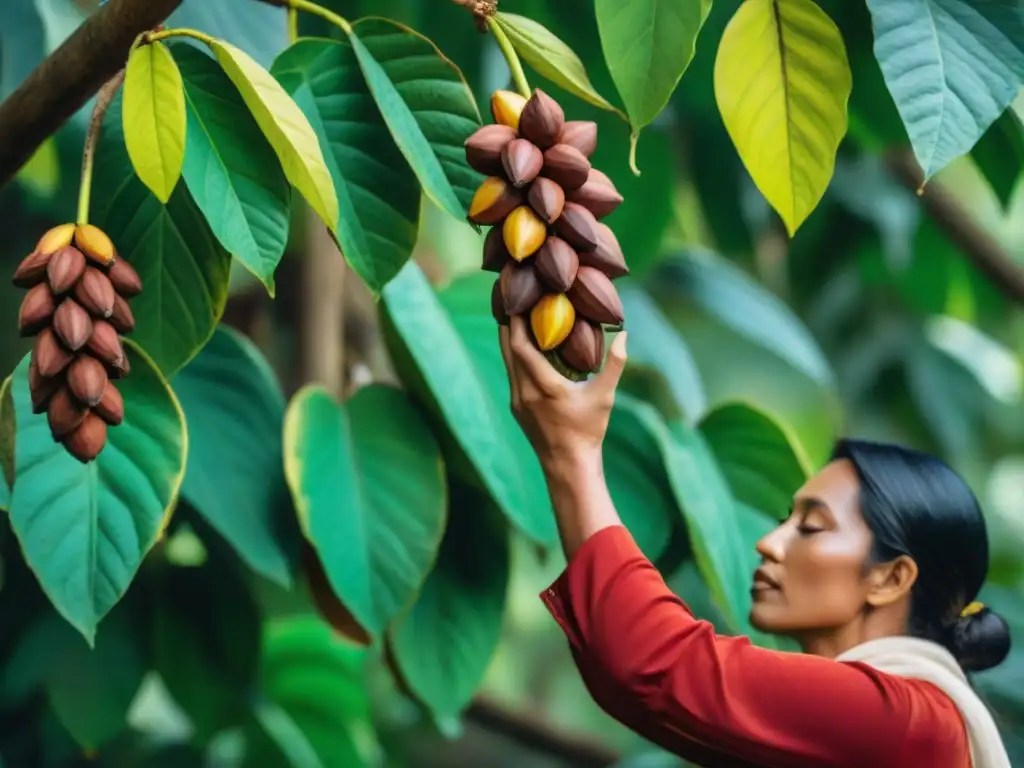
{"points": [[293, 25], [92, 137], [306, 6], [152, 37], [518, 76]]}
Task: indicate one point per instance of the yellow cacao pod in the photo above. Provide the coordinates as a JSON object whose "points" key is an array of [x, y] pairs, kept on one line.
{"points": [[56, 238], [523, 232], [493, 200], [94, 243], [507, 107], [551, 320]]}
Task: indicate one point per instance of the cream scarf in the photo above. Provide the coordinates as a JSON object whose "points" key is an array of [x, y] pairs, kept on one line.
{"points": [[925, 660]]}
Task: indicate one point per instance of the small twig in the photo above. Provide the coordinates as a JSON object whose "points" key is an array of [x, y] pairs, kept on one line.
{"points": [[980, 248], [66, 79], [482, 10], [92, 138]]}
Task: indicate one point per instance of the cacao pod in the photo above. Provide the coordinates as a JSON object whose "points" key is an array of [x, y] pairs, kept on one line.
{"points": [[87, 380], [95, 292], [598, 195], [105, 344], [64, 269], [595, 297], [40, 388], [580, 134], [86, 442], [125, 279], [111, 406], [583, 349], [507, 107], [36, 310], [546, 198], [565, 165], [523, 232], [72, 324], [551, 320], [49, 354], [32, 269], [496, 255], [522, 162], [498, 304], [483, 148], [556, 264], [94, 243], [541, 120], [607, 256], [64, 414], [493, 200], [122, 317], [578, 227], [520, 288]]}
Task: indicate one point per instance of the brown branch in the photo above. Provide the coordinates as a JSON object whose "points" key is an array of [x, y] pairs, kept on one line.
{"points": [[535, 734], [68, 77], [980, 248]]}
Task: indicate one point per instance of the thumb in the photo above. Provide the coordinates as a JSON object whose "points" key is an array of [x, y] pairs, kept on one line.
{"points": [[614, 364]]}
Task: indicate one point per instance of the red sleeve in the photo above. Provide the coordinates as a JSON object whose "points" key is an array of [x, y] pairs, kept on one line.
{"points": [[722, 701]]}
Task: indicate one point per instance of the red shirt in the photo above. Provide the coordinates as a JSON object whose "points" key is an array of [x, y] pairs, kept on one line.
{"points": [[722, 702]]}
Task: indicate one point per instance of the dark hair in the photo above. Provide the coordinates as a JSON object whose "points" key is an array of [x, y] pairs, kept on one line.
{"points": [[916, 505]]}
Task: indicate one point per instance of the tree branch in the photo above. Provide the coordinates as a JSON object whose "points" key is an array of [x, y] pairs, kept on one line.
{"points": [[68, 77], [980, 248]]}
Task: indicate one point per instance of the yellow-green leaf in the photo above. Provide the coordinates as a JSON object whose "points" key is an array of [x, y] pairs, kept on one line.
{"points": [[153, 115], [551, 57], [782, 82], [286, 128]]}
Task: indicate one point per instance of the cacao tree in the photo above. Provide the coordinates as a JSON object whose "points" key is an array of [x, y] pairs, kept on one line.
{"points": [[264, 500]]}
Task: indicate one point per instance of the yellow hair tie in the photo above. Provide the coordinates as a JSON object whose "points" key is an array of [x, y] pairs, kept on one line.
{"points": [[971, 609]]}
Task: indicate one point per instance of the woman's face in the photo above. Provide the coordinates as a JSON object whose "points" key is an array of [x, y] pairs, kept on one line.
{"points": [[812, 576]]}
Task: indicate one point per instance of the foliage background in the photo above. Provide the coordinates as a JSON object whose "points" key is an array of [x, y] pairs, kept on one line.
{"points": [[868, 322]]}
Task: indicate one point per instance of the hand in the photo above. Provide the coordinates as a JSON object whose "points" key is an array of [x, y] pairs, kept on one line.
{"points": [[564, 420]]}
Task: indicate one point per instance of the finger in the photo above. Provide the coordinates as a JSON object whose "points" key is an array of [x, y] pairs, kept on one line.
{"points": [[506, 355], [531, 362], [614, 363]]}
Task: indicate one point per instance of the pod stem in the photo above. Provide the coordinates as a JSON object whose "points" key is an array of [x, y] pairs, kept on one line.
{"points": [[92, 137], [509, 52]]}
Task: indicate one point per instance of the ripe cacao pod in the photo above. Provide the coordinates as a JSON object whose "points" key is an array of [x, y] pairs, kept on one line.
{"points": [[521, 161], [551, 320], [493, 200], [556, 264], [583, 350], [598, 194], [546, 198], [580, 134], [483, 148], [523, 232], [111, 406], [64, 269], [577, 226], [86, 442], [607, 256], [96, 293], [506, 108], [566, 165], [36, 310], [94, 243], [520, 288], [595, 297], [542, 120]]}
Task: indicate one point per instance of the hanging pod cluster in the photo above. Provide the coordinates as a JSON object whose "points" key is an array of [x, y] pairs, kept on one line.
{"points": [[543, 201], [76, 307]]}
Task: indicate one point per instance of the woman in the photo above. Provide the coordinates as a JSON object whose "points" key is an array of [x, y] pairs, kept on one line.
{"points": [[874, 573]]}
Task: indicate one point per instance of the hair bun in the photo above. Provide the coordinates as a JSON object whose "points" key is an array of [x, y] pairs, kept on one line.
{"points": [[980, 640]]}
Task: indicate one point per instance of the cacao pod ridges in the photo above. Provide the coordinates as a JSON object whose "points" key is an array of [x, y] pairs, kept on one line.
{"points": [[594, 297], [542, 120], [484, 147], [521, 161], [566, 165], [578, 227], [581, 134], [547, 198], [521, 288], [583, 350], [556, 264], [607, 256]]}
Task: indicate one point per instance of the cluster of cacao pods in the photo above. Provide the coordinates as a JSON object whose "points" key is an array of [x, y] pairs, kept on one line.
{"points": [[543, 201], [76, 307]]}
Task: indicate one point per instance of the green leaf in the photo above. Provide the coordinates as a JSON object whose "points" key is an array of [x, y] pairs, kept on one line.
{"points": [[443, 645], [153, 115], [550, 57], [648, 44], [285, 127], [445, 347], [85, 528], [654, 342], [378, 198], [91, 689], [184, 270], [952, 67], [736, 300], [393, 51], [999, 155], [318, 683], [761, 459], [234, 407], [231, 169], [635, 468], [377, 538], [7, 432], [206, 643]]}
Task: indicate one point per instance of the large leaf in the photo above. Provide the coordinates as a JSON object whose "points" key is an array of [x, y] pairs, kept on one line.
{"points": [[317, 686], [635, 468], [377, 538], [446, 347], [85, 528], [7, 433], [407, 75], [153, 118], [999, 155], [206, 643], [760, 458], [782, 82], [550, 56], [231, 169], [378, 199], [234, 407], [654, 342], [648, 44], [952, 67], [184, 270], [286, 128], [734, 299], [443, 645]]}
